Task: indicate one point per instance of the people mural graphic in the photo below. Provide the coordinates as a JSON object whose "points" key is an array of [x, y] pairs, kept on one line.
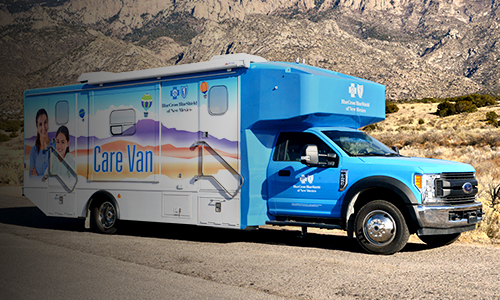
{"points": [[40, 152]]}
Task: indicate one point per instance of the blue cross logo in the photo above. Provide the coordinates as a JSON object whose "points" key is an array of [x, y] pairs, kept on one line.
{"points": [[174, 93], [352, 90]]}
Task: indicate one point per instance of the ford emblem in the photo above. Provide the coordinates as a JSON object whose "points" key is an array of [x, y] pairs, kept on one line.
{"points": [[467, 187]]}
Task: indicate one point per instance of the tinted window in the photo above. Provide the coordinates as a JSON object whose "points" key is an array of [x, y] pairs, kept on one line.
{"points": [[122, 122], [290, 146], [217, 100], [62, 112]]}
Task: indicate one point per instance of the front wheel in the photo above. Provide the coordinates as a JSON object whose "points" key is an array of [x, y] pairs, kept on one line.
{"points": [[439, 240], [104, 217], [381, 228]]}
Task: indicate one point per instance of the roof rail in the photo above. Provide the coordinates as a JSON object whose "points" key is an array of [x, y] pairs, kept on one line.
{"points": [[219, 62]]}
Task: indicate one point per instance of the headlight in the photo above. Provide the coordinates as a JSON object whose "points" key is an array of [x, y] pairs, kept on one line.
{"points": [[426, 185]]}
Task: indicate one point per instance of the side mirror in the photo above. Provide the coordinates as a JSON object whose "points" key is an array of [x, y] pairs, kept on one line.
{"points": [[311, 156]]}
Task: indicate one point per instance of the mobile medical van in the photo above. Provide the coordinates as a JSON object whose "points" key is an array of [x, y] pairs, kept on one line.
{"points": [[237, 142]]}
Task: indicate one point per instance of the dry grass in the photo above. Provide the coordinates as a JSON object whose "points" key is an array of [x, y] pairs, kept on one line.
{"points": [[11, 161]]}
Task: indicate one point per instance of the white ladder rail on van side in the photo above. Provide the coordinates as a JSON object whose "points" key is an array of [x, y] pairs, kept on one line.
{"points": [[231, 169]]}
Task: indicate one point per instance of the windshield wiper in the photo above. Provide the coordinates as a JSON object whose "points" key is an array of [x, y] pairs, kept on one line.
{"points": [[370, 154], [392, 154]]}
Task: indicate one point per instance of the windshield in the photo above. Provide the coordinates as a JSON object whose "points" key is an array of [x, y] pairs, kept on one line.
{"points": [[358, 143]]}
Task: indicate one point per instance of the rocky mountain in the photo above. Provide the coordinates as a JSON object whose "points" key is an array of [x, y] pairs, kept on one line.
{"points": [[417, 48]]}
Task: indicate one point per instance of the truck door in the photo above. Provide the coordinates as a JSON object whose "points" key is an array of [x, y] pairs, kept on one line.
{"points": [[219, 135], [298, 190]]}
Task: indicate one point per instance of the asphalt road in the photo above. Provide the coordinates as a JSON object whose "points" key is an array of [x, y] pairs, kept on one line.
{"points": [[56, 258]]}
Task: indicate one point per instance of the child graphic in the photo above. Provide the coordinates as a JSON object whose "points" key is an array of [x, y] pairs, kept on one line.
{"points": [[57, 167]]}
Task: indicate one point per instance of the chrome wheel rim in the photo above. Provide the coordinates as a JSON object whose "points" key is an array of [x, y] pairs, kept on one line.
{"points": [[107, 215], [379, 228]]}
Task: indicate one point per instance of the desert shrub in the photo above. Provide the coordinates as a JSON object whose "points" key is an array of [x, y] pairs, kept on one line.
{"points": [[461, 104], [11, 125], [445, 109], [428, 100], [491, 221], [476, 99], [493, 191], [4, 137], [492, 118], [421, 121], [370, 127], [465, 107], [391, 107], [491, 115], [11, 171], [479, 100]]}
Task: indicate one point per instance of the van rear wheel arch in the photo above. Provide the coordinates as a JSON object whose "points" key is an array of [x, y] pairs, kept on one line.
{"points": [[103, 212]]}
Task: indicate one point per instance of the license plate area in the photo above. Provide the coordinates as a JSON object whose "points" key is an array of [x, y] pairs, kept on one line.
{"points": [[471, 216]]}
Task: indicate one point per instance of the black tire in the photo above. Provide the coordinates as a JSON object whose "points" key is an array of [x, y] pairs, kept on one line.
{"points": [[439, 240], [381, 228], [104, 217]]}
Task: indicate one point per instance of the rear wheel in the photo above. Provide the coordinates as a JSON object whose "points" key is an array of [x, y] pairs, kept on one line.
{"points": [[381, 228], [439, 240], [104, 217]]}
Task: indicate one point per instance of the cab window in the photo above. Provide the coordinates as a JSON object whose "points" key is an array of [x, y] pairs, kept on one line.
{"points": [[291, 144]]}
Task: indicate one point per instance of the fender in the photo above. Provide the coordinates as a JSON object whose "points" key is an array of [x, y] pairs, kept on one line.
{"points": [[385, 182]]}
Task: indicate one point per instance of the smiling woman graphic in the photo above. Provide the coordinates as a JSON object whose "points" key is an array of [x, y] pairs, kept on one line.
{"points": [[39, 155]]}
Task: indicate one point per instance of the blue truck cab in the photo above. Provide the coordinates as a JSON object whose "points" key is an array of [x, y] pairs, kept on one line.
{"points": [[317, 169], [237, 142]]}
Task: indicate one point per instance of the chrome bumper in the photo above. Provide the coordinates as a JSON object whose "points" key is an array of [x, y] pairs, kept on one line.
{"points": [[446, 219]]}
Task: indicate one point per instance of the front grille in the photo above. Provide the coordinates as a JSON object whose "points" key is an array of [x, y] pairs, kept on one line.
{"points": [[457, 176], [439, 188], [450, 187], [459, 200]]}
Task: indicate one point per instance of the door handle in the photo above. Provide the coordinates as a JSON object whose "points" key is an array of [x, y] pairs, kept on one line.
{"points": [[284, 173]]}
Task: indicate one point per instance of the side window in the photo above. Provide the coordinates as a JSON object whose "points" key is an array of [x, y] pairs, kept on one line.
{"points": [[62, 112], [217, 100], [122, 122], [291, 144]]}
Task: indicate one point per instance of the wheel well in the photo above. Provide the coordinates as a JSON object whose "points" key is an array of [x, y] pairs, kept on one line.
{"points": [[98, 198], [381, 193]]}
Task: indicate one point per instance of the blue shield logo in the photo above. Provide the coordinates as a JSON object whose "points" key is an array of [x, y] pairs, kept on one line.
{"points": [[184, 91]]}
